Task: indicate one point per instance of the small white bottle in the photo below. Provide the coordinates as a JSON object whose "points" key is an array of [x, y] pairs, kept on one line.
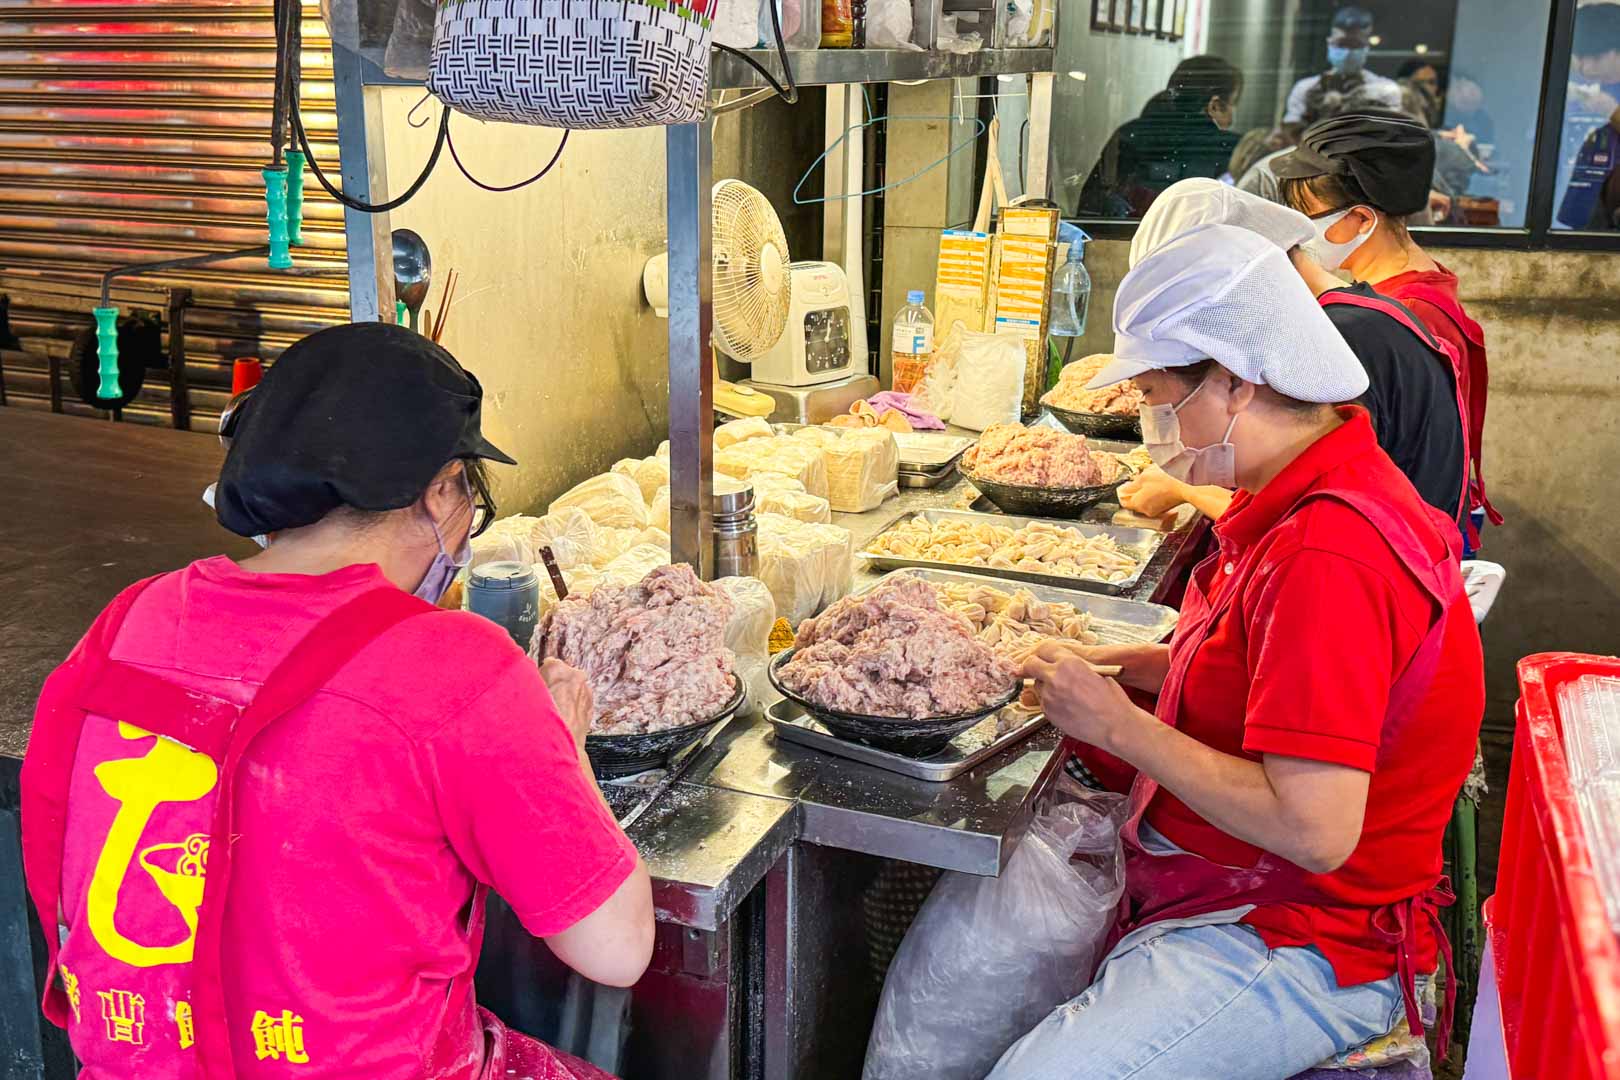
{"points": [[913, 342]]}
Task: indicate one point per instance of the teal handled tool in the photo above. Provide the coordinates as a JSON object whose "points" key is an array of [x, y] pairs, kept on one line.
{"points": [[295, 197], [275, 198], [107, 353]]}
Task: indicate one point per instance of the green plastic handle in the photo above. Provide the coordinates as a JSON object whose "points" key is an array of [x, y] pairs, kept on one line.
{"points": [[400, 314], [275, 197], [107, 353], [295, 197]]}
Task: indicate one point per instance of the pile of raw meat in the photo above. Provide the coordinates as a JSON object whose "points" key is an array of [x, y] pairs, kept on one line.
{"points": [[894, 651], [1039, 457], [1121, 399], [654, 652]]}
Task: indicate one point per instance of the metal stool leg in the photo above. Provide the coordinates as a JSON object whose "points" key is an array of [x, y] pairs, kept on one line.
{"points": [[1463, 919]]}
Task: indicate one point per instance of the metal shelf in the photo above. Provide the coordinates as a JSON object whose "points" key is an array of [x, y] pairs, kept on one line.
{"points": [[828, 67]]}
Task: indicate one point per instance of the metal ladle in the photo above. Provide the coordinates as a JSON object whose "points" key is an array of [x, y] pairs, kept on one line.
{"points": [[413, 271]]}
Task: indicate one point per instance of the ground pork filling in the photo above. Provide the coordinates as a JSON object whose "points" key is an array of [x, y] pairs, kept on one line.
{"points": [[894, 651], [654, 652]]}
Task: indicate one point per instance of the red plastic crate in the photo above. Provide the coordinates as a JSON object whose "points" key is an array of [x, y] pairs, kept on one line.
{"points": [[1558, 967]]}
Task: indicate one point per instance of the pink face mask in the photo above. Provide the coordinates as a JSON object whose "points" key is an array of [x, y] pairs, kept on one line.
{"points": [[1214, 465], [444, 567]]}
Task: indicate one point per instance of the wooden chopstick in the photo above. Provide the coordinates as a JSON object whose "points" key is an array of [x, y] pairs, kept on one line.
{"points": [[444, 305]]}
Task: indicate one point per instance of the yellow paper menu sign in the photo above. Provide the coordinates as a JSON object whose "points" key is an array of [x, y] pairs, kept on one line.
{"points": [[1022, 290], [962, 280]]}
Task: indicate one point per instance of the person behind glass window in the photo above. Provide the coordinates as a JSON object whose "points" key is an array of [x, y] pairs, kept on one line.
{"points": [[1318, 96], [1426, 78], [1591, 143], [1184, 131]]}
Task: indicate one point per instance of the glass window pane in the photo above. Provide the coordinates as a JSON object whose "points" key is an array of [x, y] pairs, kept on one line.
{"points": [[1220, 88], [1588, 192]]}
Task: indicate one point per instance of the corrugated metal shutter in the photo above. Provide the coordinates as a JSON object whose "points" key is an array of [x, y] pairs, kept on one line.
{"points": [[136, 131]]}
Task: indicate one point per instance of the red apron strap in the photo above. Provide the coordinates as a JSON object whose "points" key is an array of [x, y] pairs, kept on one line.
{"points": [[1446, 351], [47, 773], [311, 664], [1478, 381]]}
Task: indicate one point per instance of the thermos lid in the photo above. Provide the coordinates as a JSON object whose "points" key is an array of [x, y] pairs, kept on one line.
{"points": [[503, 575], [732, 496]]}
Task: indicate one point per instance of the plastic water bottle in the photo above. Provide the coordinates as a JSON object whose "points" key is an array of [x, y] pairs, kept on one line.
{"points": [[1071, 288], [913, 342]]}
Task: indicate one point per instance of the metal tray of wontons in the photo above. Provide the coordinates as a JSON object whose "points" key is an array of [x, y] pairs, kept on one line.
{"points": [[1116, 620], [1142, 543]]}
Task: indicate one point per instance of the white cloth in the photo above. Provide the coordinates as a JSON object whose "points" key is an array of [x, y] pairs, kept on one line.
{"points": [[1223, 293], [1201, 201]]}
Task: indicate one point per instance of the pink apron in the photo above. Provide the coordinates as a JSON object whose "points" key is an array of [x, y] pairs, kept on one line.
{"points": [[1446, 350], [94, 684], [1184, 885]]}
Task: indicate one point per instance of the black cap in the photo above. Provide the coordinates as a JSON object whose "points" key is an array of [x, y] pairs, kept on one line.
{"points": [[363, 415], [1388, 155], [1352, 18]]}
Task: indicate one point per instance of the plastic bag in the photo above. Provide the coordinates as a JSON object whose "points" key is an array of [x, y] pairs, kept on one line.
{"points": [[574, 539], [936, 390], [753, 611], [730, 434], [508, 540], [888, 24], [988, 958], [612, 499], [650, 474], [736, 23], [396, 35], [989, 381]]}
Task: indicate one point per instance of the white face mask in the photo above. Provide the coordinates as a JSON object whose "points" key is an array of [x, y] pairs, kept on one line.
{"points": [[1161, 434], [1330, 254]]}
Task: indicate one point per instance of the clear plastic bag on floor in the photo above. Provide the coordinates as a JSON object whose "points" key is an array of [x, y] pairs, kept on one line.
{"points": [[987, 958]]}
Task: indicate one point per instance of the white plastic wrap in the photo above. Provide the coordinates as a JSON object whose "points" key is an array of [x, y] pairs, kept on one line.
{"points": [[989, 386], [635, 564], [888, 24], [611, 499], [793, 566], [863, 466], [799, 505], [508, 540], [737, 431], [781, 455], [650, 474], [837, 551], [654, 535], [658, 509], [573, 537], [935, 392], [612, 543], [753, 613], [989, 957], [736, 23]]}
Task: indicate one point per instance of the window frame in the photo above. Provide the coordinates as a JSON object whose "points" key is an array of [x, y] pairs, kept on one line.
{"points": [[1538, 233]]}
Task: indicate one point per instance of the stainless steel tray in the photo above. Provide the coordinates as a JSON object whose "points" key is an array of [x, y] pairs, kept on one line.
{"points": [[962, 753], [1144, 542], [927, 478], [1116, 620]]}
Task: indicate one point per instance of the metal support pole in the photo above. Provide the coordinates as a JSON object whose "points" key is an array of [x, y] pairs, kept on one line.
{"points": [[842, 241], [365, 177], [1038, 162], [688, 178]]}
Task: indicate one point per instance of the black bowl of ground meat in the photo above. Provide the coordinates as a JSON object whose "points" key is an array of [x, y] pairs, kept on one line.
{"points": [[912, 737], [613, 756]]}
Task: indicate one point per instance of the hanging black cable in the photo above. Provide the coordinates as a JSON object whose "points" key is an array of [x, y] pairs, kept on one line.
{"points": [[290, 41], [789, 93], [278, 107], [450, 141]]}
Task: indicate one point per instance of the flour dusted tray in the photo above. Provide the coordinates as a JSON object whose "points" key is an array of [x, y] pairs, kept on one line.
{"points": [[793, 723], [1141, 542]]}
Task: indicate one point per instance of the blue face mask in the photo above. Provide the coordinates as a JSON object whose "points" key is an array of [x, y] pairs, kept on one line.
{"points": [[1346, 61]]}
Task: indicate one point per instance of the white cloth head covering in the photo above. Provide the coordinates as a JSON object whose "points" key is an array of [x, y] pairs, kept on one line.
{"points": [[1188, 204], [1221, 292]]}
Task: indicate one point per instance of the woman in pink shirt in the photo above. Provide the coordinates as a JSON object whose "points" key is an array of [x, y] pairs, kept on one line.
{"points": [[378, 764]]}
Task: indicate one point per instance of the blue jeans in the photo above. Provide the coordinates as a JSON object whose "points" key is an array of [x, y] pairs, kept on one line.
{"points": [[1203, 1003]]}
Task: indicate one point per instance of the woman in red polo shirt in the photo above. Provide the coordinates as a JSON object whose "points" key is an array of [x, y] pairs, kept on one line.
{"points": [[1357, 177], [1317, 707]]}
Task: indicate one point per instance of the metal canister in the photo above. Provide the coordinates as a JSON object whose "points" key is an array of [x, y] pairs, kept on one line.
{"points": [[736, 533], [507, 593]]}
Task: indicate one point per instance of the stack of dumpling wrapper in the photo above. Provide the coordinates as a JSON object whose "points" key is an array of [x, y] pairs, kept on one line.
{"points": [[863, 465]]}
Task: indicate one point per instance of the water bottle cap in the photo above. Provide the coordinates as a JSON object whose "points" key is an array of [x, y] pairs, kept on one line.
{"points": [[915, 296]]}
